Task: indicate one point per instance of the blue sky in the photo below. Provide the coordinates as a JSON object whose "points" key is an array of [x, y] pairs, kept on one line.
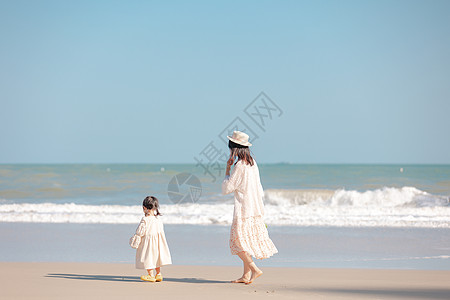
{"points": [[156, 81]]}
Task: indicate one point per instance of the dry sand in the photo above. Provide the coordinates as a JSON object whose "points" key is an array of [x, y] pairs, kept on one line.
{"points": [[120, 281]]}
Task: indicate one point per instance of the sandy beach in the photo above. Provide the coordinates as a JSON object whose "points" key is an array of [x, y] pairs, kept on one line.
{"points": [[117, 281]]}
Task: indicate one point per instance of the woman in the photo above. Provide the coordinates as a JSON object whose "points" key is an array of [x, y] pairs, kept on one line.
{"points": [[249, 236]]}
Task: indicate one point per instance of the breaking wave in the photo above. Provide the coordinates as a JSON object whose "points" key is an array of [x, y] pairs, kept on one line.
{"points": [[385, 197], [398, 207]]}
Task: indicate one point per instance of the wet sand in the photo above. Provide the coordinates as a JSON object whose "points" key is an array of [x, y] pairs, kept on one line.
{"points": [[302, 247]]}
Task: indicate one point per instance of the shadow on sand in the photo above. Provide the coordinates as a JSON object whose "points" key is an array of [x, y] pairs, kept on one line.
{"points": [[127, 278]]}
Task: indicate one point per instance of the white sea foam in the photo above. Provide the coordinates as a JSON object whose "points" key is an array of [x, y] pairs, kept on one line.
{"points": [[385, 197], [398, 207]]}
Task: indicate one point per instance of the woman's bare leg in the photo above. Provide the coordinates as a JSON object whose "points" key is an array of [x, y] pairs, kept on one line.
{"points": [[256, 272], [158, 270], [247, 271]]}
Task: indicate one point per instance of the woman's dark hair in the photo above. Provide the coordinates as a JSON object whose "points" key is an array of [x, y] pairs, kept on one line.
{"points": [[242, 152], [150, 203]]}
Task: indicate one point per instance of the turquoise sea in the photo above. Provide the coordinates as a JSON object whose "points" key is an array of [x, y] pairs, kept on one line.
{"points": [[295, 194], [346, 216]]}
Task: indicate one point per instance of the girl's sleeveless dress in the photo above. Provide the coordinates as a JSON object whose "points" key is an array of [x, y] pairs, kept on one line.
{"points": [[248, 231], [153, 251]]}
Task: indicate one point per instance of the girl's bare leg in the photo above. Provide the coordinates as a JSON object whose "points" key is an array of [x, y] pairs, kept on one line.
{"points": [[246, 259], [158, 276], [149, 271]]}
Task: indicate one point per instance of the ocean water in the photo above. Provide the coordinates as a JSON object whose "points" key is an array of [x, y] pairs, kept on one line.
{"points": [[295, 194]]}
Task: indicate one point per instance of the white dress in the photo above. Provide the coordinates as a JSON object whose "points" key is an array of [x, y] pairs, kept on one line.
{"points": [[153, 251], [248, 231]]}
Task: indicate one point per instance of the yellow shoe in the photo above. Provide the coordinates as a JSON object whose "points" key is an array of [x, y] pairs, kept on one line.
{"points": [[158, 278], [148, 278]]}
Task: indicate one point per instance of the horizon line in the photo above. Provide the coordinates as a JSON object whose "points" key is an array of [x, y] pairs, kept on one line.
{"points": [[194, 163]]}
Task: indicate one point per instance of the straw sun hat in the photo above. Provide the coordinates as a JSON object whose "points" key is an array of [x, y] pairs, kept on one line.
{"points": [[239, 138]]}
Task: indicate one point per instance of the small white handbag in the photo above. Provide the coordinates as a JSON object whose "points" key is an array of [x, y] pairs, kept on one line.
{"points": [[135, 240]]}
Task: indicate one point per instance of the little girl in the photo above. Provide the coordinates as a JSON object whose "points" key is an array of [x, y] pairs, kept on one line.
{"points": [[150, 243]]}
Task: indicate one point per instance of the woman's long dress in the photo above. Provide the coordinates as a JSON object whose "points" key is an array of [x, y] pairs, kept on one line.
{"points": [[153, 251], [248, 231]]}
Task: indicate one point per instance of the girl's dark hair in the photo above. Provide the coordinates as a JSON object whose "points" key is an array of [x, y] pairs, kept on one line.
{"points": [[151, 202], [242, 152]]}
